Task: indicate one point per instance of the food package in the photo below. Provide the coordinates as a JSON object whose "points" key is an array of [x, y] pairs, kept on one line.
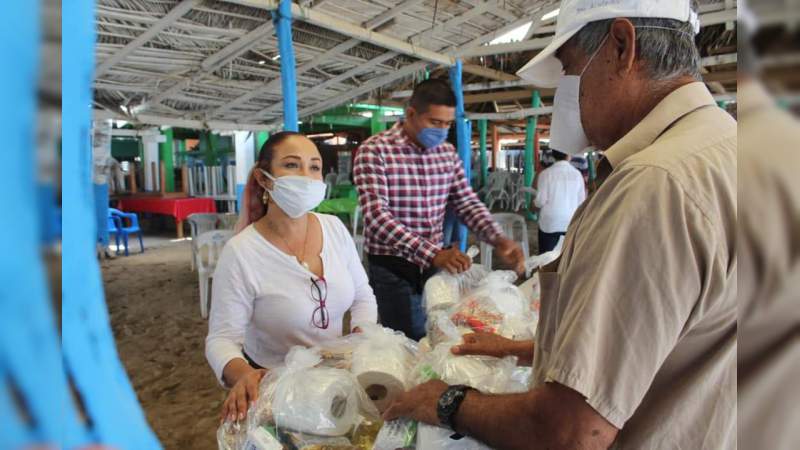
{"points": [[436, 438], [262, 438], [485, 373], [399, 433], [493, 303], [444, 289], [231, 436], [301, 441], [382, 361], [366, 433], [441, 329], [305, 397]]}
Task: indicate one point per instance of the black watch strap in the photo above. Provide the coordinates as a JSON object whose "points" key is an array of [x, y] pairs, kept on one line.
{"points": [[449, 404]]}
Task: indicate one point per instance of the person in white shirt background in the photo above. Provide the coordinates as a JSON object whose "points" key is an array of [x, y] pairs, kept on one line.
{"points": [[286, 278], [561, 190]]}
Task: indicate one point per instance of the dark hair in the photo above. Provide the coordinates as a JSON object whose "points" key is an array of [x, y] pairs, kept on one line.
{"points": [[257, 209], [433, 91], [557, 155]]}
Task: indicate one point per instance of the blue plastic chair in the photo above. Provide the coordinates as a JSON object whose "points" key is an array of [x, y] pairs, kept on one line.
{"points": [[114, 225], [125, 231]]}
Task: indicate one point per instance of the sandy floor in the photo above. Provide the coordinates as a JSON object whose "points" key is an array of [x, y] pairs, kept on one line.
{"points": [[155, 314]]}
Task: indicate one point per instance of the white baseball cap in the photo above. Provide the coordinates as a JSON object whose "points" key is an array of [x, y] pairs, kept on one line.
{"points": [[545, 69]]}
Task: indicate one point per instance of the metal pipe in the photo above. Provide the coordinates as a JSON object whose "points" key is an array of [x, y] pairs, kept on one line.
{"points": [[462, 140], [283, 25], [482, 124]]}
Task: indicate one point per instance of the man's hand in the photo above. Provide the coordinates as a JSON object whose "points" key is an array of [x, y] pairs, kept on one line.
{"points": [[452, 260], [243, 394], [489, 344], [511, 254], [418, 404]]}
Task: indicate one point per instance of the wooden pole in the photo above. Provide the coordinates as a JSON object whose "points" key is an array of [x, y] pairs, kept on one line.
{"points": [[185, 180], [163, 178], [132, 178]]}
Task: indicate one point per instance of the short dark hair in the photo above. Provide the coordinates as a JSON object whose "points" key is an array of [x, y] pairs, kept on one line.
{"points": [[557, 155], [434, 91]]}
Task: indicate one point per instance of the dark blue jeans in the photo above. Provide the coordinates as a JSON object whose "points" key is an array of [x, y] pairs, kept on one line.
{"points": [[399, 302]]}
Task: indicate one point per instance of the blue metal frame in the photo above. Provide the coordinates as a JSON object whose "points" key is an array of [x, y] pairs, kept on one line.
{"points": [[90, 354], [283, 27], [462, 139]]}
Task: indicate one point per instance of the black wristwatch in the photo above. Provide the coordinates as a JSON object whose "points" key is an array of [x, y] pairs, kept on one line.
{"points": [[449, 403]]}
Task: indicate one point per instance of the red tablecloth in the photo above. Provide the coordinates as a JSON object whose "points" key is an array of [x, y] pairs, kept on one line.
{"points": [[179, 208]]}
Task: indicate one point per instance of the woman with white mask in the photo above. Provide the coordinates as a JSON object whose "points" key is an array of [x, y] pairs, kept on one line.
{"points": [[288, 276]]}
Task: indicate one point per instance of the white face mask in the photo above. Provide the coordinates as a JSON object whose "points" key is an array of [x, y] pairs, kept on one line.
{"points": [[566, 131], [296, 195]]}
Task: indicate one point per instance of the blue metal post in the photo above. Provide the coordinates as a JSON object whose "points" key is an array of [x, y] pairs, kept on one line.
{"points": [[462, 139], [30, 359], [90, 354], [283, 26]]}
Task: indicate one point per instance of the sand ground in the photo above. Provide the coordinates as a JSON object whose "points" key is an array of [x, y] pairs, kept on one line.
{"points": [[153, 302]]}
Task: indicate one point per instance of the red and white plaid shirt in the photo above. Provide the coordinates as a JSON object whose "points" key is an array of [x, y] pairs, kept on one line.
{"points": [[403, 191]]}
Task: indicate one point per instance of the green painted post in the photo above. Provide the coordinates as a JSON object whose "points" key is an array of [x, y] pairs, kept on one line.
{"points": [[261, 137], [165, 153], [530, 170], [482, 125], [592, 168], [181, 151], [377, 125]]}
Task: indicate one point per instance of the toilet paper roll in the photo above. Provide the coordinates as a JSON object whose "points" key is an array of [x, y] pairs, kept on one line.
{"points": [[382, 372], [320, 401], [435, 438]]}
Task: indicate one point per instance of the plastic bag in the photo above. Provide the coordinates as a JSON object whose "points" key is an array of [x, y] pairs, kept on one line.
{"points": [[485, 373], [231, 436], [382, 362], [495, 306], [436, 438], [304, 398], [444, 289], [400, 433], [538, 261], [441, 329]]}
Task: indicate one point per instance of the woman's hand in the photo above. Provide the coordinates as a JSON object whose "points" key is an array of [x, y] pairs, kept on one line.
{"points": [[243, 394]]}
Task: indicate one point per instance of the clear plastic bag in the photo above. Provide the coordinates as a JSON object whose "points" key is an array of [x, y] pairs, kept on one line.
{"points": [[436, 438], [382, 362], [492, 304], [306, 398], [485, 373], [444, 289], [231, 436]]}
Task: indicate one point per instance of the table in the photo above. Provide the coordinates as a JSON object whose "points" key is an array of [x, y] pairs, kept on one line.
{"points": [[344, 191], [180, 208], [339, 207]]}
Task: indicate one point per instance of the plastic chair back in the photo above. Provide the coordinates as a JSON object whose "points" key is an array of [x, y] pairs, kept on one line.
{"points": [[200, 223], [209, 247], [227, 221]]}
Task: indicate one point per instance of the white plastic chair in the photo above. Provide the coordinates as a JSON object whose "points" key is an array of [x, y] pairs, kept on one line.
{"points": [[510, 223], [200, 223], [330, 182], [497, 191], [343, 178], [227, 221], [358, 224], [209, 247]]}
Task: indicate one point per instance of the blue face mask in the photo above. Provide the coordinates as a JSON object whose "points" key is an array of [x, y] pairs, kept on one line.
{"points": [[431, 137]]}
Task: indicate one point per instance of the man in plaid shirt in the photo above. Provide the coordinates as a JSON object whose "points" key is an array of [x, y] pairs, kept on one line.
{"points": [[406, 177]]}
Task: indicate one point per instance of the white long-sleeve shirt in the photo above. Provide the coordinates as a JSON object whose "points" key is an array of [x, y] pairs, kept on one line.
{"points": [[561, 191], [261, 301]]}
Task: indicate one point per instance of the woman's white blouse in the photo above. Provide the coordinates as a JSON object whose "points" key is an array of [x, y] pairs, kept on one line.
{"points": [[262, 303]]}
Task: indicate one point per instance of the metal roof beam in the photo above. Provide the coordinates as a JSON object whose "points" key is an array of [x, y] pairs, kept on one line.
{"points": [[354, 31], [276, 83], [236, 47], [171, 17], [333, 81], [390, 14]]}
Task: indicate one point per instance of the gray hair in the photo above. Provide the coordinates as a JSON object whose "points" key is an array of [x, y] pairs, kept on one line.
{"points": [[666, 46]]}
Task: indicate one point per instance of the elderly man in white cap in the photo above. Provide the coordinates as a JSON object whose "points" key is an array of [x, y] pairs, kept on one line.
{"points": [[636, 344]]}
